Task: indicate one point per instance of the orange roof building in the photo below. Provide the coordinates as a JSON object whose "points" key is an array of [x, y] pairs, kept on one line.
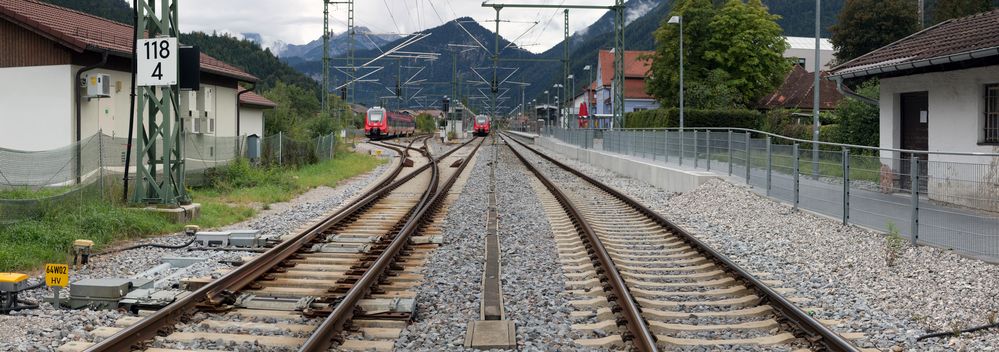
{"points": [[600, 92]]}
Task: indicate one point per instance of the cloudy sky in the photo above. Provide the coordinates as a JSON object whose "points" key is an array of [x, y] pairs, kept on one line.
{"points": [[300, 21]]}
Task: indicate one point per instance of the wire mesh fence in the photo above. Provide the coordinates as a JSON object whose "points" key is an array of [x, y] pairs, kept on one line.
{"points": [[32, 181], [941, 198]]}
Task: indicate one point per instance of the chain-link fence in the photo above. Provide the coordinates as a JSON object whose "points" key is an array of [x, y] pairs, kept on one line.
{"points": [[32, 181], [941, 198]]}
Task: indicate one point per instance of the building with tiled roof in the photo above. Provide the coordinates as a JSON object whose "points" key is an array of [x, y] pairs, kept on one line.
{"points": [[939, 92], [42, 49], [796, 92], [599, 96], [251, 112]]}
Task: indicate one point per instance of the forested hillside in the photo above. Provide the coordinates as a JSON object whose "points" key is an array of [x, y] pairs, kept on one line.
{"points": [[250, 57]]}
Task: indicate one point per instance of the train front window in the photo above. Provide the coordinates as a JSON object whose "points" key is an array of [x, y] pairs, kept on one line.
{"points": [[375, 116], [480, 119]]}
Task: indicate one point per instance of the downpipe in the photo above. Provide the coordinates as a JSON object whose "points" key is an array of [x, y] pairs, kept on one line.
{"points": [[79, 110]]}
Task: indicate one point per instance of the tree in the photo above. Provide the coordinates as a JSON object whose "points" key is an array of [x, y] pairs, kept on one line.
{"points": [[748, 45], [866, 25], [947, 9], [732, 54], [296, 111]]}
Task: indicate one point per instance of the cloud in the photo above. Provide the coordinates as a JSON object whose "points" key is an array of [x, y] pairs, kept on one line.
{"points": [[637, 11], [301, 21]]}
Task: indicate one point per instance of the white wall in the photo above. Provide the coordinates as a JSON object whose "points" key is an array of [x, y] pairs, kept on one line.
{"points": [[825, 57], [252, 121], [110, 115], [36, 107], [644, 104], [956, 122]]}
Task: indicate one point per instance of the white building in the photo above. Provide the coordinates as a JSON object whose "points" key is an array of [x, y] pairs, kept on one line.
{"points": [[940, 93], [803, 48], [42, 49]]}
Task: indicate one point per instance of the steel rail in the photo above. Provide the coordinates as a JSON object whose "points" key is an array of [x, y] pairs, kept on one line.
{"points": [[641, 336], [829, 339], [219, 290], [322, 338]]}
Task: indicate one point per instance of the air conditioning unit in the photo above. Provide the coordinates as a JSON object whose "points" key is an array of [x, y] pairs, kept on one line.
{"points": [[98, 85], [206, 99], [209, 122], [188, 104], [197, 125]]}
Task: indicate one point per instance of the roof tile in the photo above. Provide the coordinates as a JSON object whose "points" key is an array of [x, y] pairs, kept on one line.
{"points": [[796, 92], [955, 36], [79, 31]]}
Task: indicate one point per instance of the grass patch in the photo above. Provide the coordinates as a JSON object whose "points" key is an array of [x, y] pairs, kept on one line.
{"points": [[231, 197], [30, 193]]}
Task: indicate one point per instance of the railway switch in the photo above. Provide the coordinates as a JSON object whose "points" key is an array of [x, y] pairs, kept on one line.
{"points": [[10, 285], [233, 238], [81, 252], [102, 293]]}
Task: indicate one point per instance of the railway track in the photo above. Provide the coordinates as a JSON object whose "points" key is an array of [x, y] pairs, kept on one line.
{"points": [[343, 282], [639, 281]]}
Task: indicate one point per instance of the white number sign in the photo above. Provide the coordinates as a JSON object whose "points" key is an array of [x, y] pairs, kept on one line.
{"points": [[157, 65]]}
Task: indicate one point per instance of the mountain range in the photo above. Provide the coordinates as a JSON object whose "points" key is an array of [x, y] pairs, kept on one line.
{"points": [[643, 18]]}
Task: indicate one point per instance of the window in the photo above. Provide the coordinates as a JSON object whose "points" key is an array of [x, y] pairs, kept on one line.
{"points": [[992, 113]]}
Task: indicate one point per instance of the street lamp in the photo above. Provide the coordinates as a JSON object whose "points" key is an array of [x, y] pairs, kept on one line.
{"points": [[679, 20], [557, 105], [588, 83]]}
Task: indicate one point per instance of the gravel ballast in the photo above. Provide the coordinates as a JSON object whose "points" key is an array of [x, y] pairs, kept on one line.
{"points": [[841, 268], [532, 281], [46, 328], [448, 298]]}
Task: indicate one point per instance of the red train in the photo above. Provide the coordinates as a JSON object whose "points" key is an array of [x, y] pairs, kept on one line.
{"points": [[381, 123], [481, 125]]}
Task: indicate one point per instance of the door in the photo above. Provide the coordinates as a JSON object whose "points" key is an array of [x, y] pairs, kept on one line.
{"points": [[915, 135]]}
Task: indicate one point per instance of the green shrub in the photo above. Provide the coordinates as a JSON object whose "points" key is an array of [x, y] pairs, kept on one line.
{"points": [[859, 121], [240, 174], [670, 117]]}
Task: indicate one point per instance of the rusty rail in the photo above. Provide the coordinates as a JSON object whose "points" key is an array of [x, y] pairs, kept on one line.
{"points": [[219, 290], [641, 335], [818, 332], [322, 338]]}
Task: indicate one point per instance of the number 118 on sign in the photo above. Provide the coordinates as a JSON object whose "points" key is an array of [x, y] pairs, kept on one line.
{"points": [[157, 65]]}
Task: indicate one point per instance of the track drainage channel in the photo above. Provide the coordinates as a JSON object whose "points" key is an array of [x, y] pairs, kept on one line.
{"points": [[491, 330]]}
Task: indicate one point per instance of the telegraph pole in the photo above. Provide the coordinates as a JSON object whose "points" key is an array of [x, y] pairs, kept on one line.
{"points": [[618, 8], [816, 90], [565, 71], [326, 105], [156, 101], [619, 63]]}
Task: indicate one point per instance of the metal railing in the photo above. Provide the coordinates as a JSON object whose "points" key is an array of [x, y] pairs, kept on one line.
{"points": [[948, 199]]}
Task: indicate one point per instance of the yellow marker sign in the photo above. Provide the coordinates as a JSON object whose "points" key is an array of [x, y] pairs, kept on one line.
{"points": [[56, 275]]}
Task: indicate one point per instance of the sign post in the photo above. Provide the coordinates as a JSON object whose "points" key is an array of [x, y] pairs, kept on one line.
{"points": [[159, 147], [56, 277]]}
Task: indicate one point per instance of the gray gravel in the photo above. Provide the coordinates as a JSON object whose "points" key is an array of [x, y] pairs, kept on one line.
{"points": [[450, 297], [26, 329], [533, 280], [841, 268]]}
